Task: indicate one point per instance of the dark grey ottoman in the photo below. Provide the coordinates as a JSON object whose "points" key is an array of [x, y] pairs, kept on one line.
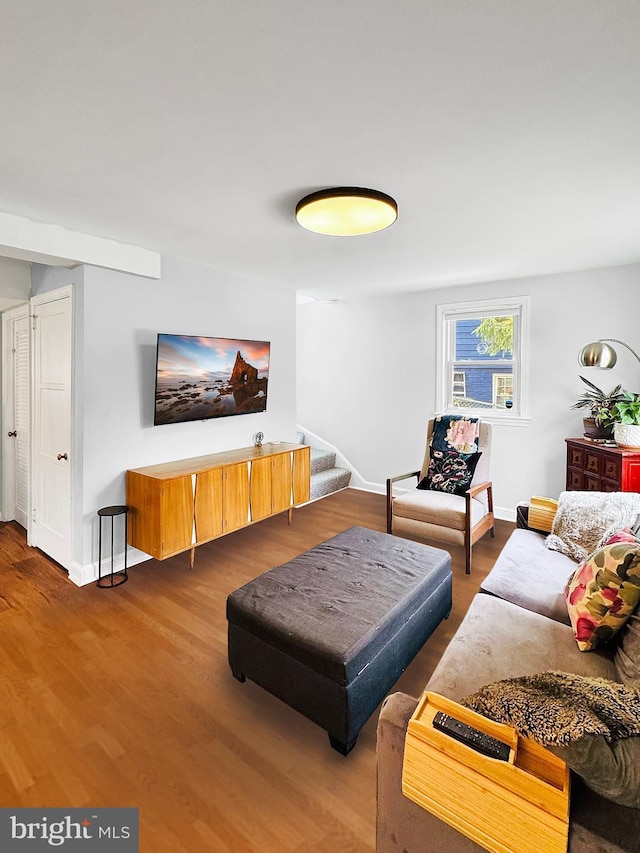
{"points": [[331, 631]]}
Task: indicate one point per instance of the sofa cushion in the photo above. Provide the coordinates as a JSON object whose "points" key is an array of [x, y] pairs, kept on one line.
{"points": [[437, 508], [528, 574], [498, 639], [627, 653], [610, 769], [604, 591]]}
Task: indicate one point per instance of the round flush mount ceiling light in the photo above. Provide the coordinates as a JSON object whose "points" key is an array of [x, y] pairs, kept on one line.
{"points": [[346, 211]]}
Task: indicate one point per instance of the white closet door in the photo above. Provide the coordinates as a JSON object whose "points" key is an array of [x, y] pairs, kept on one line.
{"points": [[52, 401], [21, 419], [16, 420]]}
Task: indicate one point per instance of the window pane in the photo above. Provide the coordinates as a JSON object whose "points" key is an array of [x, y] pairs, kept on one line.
{"points": [[482, 386], [483, 340]]}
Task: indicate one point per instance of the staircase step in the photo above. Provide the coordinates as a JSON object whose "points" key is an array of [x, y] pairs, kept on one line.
{"points": [[300, 437], [321, 460], [329, 480]]}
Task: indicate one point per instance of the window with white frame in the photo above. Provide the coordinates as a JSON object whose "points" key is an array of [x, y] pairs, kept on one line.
{"points": [[482, 350]]}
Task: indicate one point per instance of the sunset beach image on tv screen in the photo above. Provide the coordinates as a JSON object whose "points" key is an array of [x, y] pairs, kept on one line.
{"points": [[198, 378]]}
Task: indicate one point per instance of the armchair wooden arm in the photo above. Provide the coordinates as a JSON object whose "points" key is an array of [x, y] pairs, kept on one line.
{"points": [[472, 491], [390, 482], [472, 534]]}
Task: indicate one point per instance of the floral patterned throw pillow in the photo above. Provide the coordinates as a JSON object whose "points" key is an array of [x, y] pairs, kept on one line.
{"points": [[449, 472], [453, 454], [604, 590]]}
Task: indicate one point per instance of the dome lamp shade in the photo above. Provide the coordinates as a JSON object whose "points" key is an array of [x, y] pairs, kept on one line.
{"points": [[600, 354]]}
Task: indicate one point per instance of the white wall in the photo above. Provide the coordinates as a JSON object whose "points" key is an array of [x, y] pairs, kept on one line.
{"points": [[15, 282], [122, 317], [367, 374], [118, 317]]}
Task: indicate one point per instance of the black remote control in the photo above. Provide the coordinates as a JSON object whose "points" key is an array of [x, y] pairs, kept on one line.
{"points": [[477, 740]]}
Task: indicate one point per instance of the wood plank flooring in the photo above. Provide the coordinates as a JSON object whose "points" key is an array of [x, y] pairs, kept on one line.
{"points": [[123, 697]]}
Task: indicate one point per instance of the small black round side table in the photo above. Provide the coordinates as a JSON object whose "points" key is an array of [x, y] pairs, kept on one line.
{"points": [[112, 579]]}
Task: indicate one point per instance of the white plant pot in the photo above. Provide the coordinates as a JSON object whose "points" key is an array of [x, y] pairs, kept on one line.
{"points": [[627, 436]]}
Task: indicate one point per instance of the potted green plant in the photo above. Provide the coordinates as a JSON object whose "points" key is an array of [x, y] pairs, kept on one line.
{"points": [[626, 413], [601, 419]]}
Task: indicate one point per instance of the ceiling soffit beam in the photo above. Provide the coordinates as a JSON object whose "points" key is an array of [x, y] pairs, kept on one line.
{"points": [[39, 242]]}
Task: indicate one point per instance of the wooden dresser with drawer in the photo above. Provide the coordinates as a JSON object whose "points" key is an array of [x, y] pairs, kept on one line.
{"points": [[601, 468]]}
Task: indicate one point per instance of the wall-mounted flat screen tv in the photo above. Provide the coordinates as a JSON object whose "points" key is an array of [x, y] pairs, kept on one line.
{"points": [[199, 378]]}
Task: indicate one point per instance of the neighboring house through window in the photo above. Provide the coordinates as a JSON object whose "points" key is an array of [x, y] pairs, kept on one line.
{"points": [[482, 350], [502, 390], [459, 387]]}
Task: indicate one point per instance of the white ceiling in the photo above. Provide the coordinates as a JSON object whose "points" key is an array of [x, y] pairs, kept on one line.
{"points": [[507, 130]]}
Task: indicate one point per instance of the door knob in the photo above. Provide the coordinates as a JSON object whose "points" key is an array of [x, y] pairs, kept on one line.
{"points": [[13, 433], [61, 456]]}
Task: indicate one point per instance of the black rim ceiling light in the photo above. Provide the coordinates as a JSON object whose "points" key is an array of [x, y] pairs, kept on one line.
{"points": [[346, 211]]}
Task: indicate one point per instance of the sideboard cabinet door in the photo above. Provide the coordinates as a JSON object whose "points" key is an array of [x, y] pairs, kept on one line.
{"points": [[281, 482], [235, 496], [271, 482], [261, 480], [208, 505], [161, 514], [176, 520], [301, 475]]}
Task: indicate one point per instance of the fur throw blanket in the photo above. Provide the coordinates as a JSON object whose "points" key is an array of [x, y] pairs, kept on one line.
{"points": [[585, 520], [558, 708]]}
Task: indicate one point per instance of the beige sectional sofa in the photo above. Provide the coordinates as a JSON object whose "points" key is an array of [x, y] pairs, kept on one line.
{"points": [[516, 625]]}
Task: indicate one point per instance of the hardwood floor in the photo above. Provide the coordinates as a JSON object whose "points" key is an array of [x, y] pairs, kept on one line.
{"points": [[124, 697]]}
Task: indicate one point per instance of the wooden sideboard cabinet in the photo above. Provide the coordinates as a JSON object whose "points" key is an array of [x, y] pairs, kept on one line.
{"points": [[601, 468], [175, 506]]}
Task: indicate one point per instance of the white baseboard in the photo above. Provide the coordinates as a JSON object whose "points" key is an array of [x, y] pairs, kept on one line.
{"points": [[83, 575]]}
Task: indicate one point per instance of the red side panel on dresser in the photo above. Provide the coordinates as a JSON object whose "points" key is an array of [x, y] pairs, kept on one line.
{"points": [[601, 468]]}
